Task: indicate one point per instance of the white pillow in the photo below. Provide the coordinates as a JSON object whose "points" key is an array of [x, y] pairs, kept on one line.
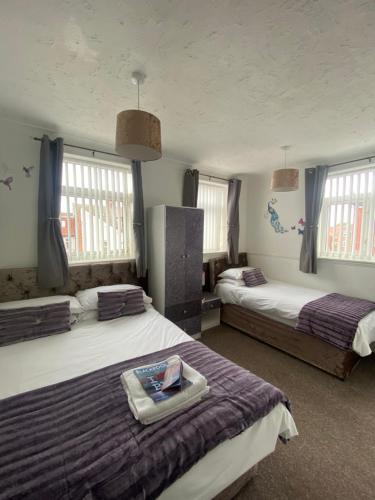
{"points": [[228, 281], [89, 298], [234, 273], [75, 306]]}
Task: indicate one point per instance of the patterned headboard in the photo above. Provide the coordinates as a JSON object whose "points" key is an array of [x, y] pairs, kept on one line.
{"points": [[22, 283], [219, 265]]}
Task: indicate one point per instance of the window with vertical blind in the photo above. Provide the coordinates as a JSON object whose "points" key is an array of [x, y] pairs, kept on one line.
{"points": [[347, 219], [96, 210], [212, 197]]}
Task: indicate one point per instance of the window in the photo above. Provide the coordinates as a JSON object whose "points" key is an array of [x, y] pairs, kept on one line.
{"points": [[212, 197], [96, 210], [347, 219]]}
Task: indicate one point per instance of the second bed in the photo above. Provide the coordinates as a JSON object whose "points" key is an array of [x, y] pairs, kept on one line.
{"points": [[269, 312]]}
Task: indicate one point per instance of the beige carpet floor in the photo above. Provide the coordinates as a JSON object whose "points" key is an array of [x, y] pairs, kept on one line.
{"points": [[334, 455]]}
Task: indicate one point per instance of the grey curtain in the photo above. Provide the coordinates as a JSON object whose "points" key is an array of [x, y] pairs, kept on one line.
{"points": [[234, 191], [315, 179], [139, 220], [52, 259], [190, 191]]}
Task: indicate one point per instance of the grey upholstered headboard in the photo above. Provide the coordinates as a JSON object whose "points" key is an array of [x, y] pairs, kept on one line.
{"points": [[22, 283], [219, 265]]}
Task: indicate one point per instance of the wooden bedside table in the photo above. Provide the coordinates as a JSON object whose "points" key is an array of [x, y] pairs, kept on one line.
{"points": [[211, 305]]}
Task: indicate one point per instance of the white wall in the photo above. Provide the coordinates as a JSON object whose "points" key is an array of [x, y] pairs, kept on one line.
{"points": [[278, 254], [162, 184]]}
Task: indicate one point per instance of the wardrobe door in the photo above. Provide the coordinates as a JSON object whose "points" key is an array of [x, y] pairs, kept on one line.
{"points": [[191, 326], [175, 257], [194, 254]]}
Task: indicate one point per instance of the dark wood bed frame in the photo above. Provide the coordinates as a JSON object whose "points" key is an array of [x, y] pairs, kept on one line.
{"points": [[310, 349]]}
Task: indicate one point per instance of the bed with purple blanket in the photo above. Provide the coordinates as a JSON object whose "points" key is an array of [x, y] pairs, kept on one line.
{"points": [[335, 318], [328, 330], [66, 430]]}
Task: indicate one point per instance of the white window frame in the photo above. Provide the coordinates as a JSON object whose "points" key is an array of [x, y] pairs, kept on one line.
{"points": [[215, 217], [339, 215], [117, 176]]}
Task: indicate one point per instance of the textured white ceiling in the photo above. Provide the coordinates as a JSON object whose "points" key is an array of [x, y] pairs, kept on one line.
{"points": [[231, 81]]}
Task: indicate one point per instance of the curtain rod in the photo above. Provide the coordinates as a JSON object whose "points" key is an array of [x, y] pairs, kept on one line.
{"points": [[93, 151], [352, 161], [214, 177]]}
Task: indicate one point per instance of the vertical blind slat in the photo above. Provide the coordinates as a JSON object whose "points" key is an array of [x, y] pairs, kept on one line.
{"points": [[362, 243], [91, 213], [102, 214], [66, 177], [97, 215], [113, 214], [83, 215], [349, 232], [76, 213], [108, 215], [355, 213], [341, 205], [371, 224]]}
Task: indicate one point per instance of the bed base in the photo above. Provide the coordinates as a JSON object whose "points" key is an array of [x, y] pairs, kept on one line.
{"points": [[310, 349]]}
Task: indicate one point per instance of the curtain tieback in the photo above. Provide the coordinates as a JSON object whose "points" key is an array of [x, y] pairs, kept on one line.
{"points": [[53, 218], [137, 224]]}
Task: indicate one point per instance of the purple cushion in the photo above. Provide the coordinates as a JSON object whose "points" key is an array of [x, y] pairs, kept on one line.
{"points": [[123, 303], [27, 323], [254, 277]]}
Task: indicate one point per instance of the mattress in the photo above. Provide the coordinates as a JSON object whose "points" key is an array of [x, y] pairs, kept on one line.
{"points": [[92, 345], [283, 302]]}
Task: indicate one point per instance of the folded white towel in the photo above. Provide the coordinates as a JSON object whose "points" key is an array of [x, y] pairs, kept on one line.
{"points": [[147, 411]]}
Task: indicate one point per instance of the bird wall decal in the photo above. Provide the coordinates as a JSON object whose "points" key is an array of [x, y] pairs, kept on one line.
{"points": [[28, 170], [7, 182]]}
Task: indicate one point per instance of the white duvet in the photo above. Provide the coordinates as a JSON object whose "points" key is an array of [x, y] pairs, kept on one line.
{"points": [[283, 301], [92, 345]]}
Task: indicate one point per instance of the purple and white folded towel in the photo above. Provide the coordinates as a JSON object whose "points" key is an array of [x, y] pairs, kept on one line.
{"points": [[146, 410]]}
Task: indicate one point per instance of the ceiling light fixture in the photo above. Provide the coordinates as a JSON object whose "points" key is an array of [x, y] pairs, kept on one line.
{"points": [[138, 132], [285, 179]]}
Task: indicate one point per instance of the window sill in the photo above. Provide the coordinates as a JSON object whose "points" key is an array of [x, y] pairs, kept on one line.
{"points": [[98, 262], [347, 261], [213, 255]]}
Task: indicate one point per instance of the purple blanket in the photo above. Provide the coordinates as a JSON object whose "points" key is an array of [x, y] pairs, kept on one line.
{"points": [[78, 439], [334, 318]]}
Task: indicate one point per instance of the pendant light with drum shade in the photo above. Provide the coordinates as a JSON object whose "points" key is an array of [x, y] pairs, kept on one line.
{"points": [[285, 179], [138, 132]]}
